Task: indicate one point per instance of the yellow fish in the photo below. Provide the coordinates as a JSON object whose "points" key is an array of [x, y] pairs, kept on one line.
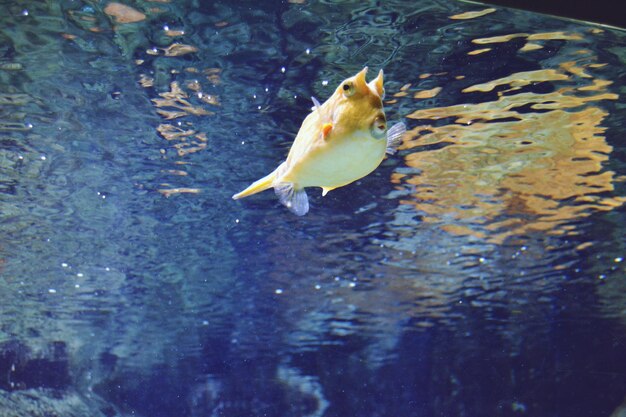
{"points": [[339, 142]]}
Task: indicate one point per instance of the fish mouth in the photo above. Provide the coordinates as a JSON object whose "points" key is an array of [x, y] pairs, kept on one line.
{"points": [[359, 81]]}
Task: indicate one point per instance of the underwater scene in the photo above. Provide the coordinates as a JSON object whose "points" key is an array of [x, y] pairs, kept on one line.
{"points": [[478, 270]]}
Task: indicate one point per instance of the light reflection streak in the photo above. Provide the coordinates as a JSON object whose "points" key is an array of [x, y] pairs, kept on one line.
{"points": [[177, 104], [525, 161]]}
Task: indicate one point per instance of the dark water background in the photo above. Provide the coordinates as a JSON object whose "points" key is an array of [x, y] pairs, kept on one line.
{"points": [[479, 272]]}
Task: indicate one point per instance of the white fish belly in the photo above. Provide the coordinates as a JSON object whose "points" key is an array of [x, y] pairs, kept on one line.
{"points": [[340, 163]]}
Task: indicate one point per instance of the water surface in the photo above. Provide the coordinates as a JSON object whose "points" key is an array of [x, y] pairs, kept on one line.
{"points": [[479, 271]]}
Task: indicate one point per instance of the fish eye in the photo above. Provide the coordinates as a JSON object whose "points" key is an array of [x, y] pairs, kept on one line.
{"points": [[348, 89], [379, 127]]}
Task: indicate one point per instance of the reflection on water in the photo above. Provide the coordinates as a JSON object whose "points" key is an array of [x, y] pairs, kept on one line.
{"points": [[480, 271], [527, 153], [473, 14]]}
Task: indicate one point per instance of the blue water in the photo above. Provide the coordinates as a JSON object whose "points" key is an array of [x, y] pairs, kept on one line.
{"points": [[478, 272]]}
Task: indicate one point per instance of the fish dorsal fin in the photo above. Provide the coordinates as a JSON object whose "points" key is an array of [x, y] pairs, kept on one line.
{"points": [[394, 137], [316, 106], [294, 199], [327, 125]]}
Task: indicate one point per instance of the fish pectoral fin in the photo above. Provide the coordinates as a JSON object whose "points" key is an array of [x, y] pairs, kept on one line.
{"points": [[326, 128], [326, 123], [325, 190], [394, 137], [294, 199]]}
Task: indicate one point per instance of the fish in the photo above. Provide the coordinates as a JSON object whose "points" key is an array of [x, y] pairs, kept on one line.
{"points": [[340, 141]]}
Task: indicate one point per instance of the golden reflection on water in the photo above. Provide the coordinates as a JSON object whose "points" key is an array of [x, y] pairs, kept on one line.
{"points": [[179, 49], [562, 36], [525, 161], [427, 93], [479, 51], [123, 14], [472, 15], [532, 40], [174, 106]]}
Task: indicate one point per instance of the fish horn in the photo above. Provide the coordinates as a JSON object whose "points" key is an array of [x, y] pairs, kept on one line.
{"points": [[359, 81], [377, 84]]}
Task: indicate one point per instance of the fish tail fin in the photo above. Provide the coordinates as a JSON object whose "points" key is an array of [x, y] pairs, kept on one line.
{"points": [[295, 199], [260, 185]]}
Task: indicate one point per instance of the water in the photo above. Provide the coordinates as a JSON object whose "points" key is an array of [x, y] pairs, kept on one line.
{"points": [[478, 272]]}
